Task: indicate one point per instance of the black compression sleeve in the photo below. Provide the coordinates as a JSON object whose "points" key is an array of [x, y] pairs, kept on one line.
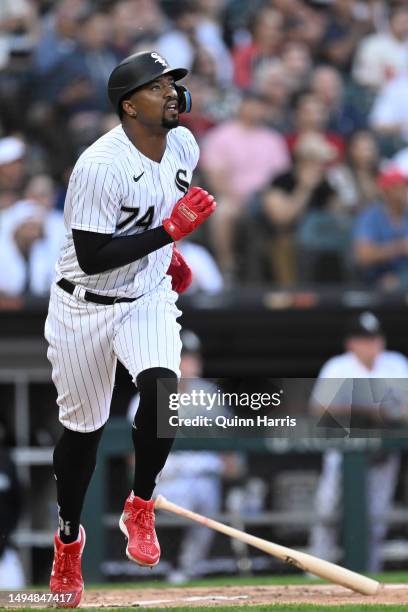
{"points": [[98, 253]]}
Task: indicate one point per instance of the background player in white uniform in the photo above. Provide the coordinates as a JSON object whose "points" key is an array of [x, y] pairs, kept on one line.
{"points": [[345, 398], [128, 200]]}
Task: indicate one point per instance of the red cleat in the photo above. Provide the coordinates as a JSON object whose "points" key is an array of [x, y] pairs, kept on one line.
{"points": [[66, 575], [137, 523]]}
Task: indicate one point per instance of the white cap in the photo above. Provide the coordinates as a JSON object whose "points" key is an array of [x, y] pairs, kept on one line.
{"points": [[11, 149]]}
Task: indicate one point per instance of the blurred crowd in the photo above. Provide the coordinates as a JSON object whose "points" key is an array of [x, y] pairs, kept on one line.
{"points": [[299, 107]]}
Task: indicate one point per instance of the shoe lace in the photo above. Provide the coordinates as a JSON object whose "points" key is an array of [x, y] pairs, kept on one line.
{"points": [[144, 519], [68, 566]]}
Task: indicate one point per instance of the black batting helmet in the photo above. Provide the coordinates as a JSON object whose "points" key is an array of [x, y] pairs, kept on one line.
{"points": [[142, 68]]}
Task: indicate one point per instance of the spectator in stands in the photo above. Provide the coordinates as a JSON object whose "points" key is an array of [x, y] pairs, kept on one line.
{"points": [[389, 114], [381, 234], [344, 118], [266, 40], [360, 173], [194, 27], [58, 37], [279, 216], [278, 46], [30, 238], [346, 403], [382, 56], [348, 21], [213, 101], [11, 569], [297, 63], [210, 37], [57, 42], [179, 43], [12, 170], [311, 116], [237, 17], [18, 32], [238, 158], [135, 22], [304, 22], [18, 28], [78, 82], [272, 81]]}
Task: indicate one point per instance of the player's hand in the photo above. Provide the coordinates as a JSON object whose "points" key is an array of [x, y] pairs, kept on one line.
{"points": [[180, 272], [189, 212]]}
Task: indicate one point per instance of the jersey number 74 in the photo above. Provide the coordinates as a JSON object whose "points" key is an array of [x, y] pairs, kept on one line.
{"points": [[145, 221]]}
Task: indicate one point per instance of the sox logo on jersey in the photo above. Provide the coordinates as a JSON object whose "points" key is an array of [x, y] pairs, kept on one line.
{"points": [[147, 218], [181, 183]]}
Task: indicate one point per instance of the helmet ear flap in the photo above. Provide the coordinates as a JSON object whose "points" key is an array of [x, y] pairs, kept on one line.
{"points": [[184, 99]]}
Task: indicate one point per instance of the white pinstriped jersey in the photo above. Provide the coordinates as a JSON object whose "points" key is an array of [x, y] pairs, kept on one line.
{"points": [[115, 189]]}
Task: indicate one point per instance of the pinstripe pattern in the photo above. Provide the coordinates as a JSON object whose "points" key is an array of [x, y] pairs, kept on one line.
{"points": [[82, 359], [148, 335], [86, 339], [102, 183]]}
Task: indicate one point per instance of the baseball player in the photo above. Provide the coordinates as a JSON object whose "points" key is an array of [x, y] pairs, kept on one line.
{"points": [[118, 275], [346, 389]]}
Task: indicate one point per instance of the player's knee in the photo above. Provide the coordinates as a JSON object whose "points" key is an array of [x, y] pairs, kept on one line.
{"points": [[155, 385], [154, 382]]}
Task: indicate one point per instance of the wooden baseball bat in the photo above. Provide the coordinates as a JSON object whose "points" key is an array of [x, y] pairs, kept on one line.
{"points": [[303, 561]]}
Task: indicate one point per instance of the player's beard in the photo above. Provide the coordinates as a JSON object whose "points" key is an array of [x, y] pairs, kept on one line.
{"points": [[169, 124]]}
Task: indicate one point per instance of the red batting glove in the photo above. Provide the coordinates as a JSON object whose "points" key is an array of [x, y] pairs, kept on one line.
{"points": [[189, 212], [180, 272]]}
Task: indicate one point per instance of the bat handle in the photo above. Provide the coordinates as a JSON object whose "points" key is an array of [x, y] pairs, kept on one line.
{"points": [[160, 502]]}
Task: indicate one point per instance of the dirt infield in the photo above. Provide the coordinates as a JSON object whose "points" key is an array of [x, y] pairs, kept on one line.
{"points": [[326, 595]]}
